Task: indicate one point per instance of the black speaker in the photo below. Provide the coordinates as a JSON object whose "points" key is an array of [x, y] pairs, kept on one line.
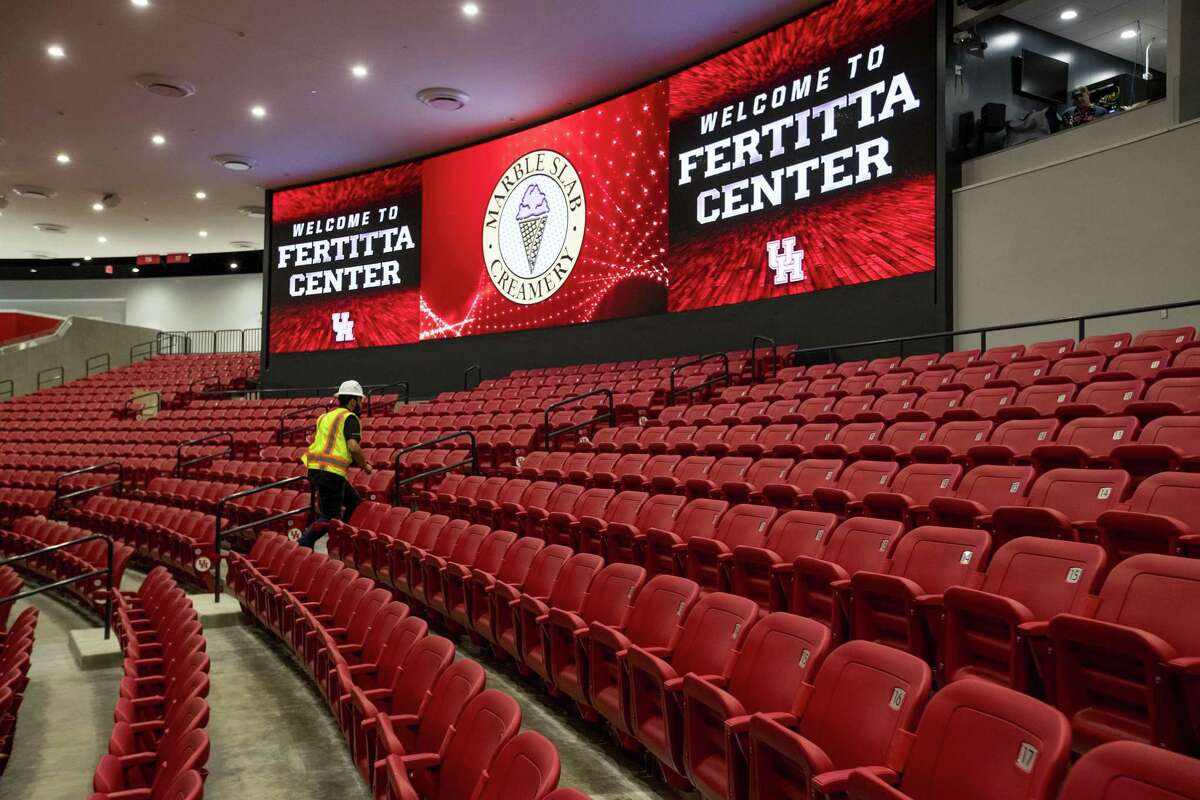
{"points": [[992, 117]]}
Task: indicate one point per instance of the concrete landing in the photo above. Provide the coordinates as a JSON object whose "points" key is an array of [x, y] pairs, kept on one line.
{"points": [[91, 650], [215, 615]]}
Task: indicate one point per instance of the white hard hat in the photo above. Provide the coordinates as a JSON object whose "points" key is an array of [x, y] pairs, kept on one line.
{"points": [[350, 389]]}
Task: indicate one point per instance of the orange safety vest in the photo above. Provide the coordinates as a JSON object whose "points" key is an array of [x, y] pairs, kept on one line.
{"points": [[328, 450]]}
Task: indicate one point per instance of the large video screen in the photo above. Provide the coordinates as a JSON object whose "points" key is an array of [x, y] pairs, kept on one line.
{"points": [[801, 160]]}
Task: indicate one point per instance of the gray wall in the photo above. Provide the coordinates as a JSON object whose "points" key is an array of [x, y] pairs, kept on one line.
{"points": [[70, 348], [1116, 226]]}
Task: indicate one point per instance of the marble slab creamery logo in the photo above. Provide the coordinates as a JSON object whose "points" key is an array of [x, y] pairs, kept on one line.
{"points": [[533, 227]]}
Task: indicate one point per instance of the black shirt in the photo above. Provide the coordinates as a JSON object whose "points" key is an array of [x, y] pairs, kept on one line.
{"points": [[352, 428]]}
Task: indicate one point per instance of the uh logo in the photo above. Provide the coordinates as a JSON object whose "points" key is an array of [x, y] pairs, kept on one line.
{"points": [[343, 326], [785, 261]]}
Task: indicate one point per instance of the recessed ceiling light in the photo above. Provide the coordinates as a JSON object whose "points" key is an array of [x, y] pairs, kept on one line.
{"points": [[1128, 33], [443, 98], [158, 139], [49, 227], [201, 195], [164, 85], [258, 112], [56, 51], [63, 158], [359, 71], [135, 269], [33, 192], [235, 163], [1068, 15], [141, 3], [202, 234], [470, 9], [102, 239], [233, 265], [97, 206]]}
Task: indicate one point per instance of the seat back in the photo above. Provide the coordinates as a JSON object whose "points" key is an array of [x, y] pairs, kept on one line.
{"points": [[544, 570], [1098, 435], [1045, 575], [1052, 349], [799, 533], [936, 557], [660, 609], [573, 580], [492, 551], [923, 482], [456, 687], [864, 697], [746, 524], [486, 725], [699, 518], [1080, 494], [1022, 435], [1145, 591], [413, 687], [660, 511], [611, 594], [1133, 771], [714, 629], [862, 477], [983, 741], [862, 543], [780, 654], [1107, 344], [527, 768], [518, 559], [993, 485]]}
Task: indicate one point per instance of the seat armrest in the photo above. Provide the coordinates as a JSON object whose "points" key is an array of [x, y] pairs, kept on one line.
{"points": [[1110, 637]]}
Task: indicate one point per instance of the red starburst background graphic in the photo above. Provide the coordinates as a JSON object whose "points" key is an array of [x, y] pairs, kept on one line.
{"points": [[619, 149], [380, 318], [338, 196]]}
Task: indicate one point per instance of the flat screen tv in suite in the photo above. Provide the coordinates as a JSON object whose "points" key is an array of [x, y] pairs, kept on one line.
{"points": [[801, 160]]}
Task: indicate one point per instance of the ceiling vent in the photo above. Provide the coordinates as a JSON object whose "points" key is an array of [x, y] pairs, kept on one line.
{"points": [[254, 212], [38, 254], [443, 98], [242, 244], [110, 200], [33, 192], [49, 227], [165, 86], [235, 163]]}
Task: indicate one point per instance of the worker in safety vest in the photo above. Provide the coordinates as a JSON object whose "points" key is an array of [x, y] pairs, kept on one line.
{"points": [[334, 449]]}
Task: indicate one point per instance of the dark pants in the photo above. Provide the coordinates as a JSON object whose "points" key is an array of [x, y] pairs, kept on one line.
{"points": [[336, 499]]}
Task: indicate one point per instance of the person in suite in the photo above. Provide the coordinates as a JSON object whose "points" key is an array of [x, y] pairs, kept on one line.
{"points": [[334, 449]]}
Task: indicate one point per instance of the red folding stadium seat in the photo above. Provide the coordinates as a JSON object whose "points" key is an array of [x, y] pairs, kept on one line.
{"points": [[1039, 400], [848, 368], [897, 441], [907, 498], [1104, 395], [1166, 443], [934, 379], [1163, 511], [879, 366], [1084, 442], [685, 470], [662, 549], [1077, 368], [481, 587], [598, 470], [976, 739], [858, 384], [1170, 339], [351, 636], [707, 560], [526, 768], [733, 439], [997, 632], [985, 403], [568, 594], [561, 501], [622, 542], [1126, 669], [920, 363], [859, 543], [486, 503], [803, 479], [1052, 349], [1170, 394], [1003, 354], [972, 378], [754, 569], [779, 656], [1138, 362], [564, 527], [847, 408], [1108, 345], [619, 507], [537, 583], [456, 768], [932, 404], [788, 411], [456, 576], [406, 554], [855, 481], [958, 358], [716, 627], [1013, 442], [406, 699], [566, 634], [1021, 372], [849, 439], [1133, 771], [773, 440], [835, 725], [1062, 504], [727, 470], [894, 381], [656, 624], [754, 479], [466, 549], [521, 514], [900, 605]]}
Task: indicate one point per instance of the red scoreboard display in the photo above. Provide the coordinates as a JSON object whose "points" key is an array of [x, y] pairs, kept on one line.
{"points": [[801, 160]]}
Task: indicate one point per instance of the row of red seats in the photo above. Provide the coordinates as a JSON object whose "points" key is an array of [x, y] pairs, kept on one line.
{"points": [[26, 534], [623, 648], [419, 724], [178, 538], [159, 745], [16, 503], [900, 606], [16, 649]]}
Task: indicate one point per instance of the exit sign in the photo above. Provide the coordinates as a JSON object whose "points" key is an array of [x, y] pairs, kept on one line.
{"points": [[145, 261], [178, 258]]}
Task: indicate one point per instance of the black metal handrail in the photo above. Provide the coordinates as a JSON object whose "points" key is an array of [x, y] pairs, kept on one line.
{"points": [[192, 337], [246, 526], [381, 389], [203, 382], [93, 363], [173, 337], [691, 390], [1082, 319], [607, 416], [180, 464], [758, 376], [10, 392], [58, 481], [472, 460], [129, 403], [62, 377], [283, 433], [223, 340], [143, 349], [107, 571], [475, 369]]}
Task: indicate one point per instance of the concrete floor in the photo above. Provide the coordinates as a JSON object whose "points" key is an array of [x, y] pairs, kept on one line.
{"points": [[272, 738]]}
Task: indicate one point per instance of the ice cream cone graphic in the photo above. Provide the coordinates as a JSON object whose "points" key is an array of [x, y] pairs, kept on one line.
{"points": [[531, 216]]}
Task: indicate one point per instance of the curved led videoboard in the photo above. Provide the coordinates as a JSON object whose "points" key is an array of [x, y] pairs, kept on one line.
{"points": [[801, 160]]}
